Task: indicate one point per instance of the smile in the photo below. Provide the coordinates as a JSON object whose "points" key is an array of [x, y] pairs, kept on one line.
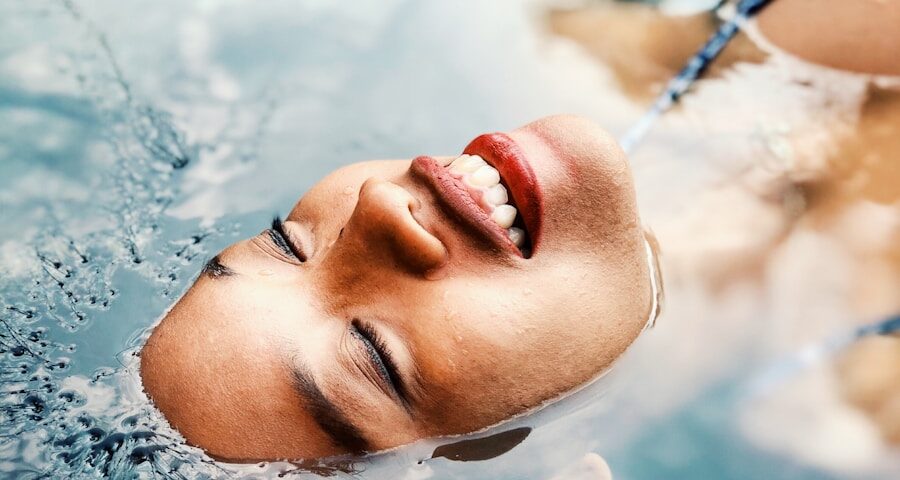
{"points": [[483, 184], [490, 189]]}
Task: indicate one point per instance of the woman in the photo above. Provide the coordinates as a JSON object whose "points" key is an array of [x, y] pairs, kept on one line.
{"points": [[402, 299]]}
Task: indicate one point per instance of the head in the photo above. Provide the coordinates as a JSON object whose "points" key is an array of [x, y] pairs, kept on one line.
{"points": [[393, 303]]}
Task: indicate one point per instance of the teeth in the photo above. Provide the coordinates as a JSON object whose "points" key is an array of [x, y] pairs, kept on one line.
{"points": [[517, 235], [496, 195], [485, 179], [504, 215], [486, 176], [456, 165], [467, 164]]}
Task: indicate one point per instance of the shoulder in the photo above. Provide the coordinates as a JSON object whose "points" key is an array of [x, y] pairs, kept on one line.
{"points": [[859, 36]]}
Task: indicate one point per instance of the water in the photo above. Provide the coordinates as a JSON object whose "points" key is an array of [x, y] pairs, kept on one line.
{"points": [[139, 139], [695, 67]]}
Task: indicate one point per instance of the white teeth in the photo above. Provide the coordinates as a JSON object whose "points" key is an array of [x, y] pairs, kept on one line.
{"points": [[483, 178], [486, 176], [504, 215], [457, 164], [467, 164], [517, 235], [496, 195]]}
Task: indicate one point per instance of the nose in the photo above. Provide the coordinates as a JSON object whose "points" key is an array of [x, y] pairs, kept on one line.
{"points": [[383, 227]]}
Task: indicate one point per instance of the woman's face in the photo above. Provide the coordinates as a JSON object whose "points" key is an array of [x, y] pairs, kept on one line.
{"points": [[393, 304]]}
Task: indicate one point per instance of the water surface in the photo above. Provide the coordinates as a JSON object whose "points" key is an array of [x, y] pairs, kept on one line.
{"points": [[139, 138]]}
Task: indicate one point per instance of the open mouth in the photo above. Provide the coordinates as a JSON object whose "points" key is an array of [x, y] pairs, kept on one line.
{"points": [[491, 189], [484, 185]]}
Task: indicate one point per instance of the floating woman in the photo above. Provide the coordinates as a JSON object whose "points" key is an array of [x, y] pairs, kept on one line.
{"points": [[407, 299]]}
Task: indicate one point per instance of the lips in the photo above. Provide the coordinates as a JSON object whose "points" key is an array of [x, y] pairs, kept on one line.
{"points": [[502, 153]]}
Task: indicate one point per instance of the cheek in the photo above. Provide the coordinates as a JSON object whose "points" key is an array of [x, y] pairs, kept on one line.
{"points": [[496, 309], [518, 309], [491, 351], [477, 329]]}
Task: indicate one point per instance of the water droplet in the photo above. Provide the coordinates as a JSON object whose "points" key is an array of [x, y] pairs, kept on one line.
{"points": [[130, 421], [95, 434]]}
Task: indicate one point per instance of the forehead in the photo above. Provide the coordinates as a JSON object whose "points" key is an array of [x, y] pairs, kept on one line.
{"points": [[210, 369], [257, 309]]}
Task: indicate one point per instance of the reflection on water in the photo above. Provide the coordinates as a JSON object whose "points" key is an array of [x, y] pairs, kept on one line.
{"points": [[141, 138]]}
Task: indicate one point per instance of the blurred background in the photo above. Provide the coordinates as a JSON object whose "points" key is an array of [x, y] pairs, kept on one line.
{"points": [[140, 137]]}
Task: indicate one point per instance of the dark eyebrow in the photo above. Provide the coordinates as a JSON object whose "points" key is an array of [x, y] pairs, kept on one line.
{"points": [[344, 434], [214, 268]]}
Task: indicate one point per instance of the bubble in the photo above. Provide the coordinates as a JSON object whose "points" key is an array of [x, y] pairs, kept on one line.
{"points": [[67, 396], [35, 403], [144, 453], [130, 421], [143, 435], [96, 434], [112, 442], [67, 441]]}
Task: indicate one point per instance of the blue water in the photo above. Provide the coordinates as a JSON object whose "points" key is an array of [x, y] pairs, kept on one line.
{"points": [[138, 138]]}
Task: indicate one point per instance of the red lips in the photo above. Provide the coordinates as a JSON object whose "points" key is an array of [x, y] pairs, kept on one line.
{"points": [[502, 153]]}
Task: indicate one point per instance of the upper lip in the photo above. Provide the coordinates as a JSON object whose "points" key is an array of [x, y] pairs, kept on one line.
{"points": [[502, 153]]}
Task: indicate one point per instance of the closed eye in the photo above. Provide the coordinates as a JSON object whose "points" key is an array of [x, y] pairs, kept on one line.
{"points": [[380, 356], [281, 239]]}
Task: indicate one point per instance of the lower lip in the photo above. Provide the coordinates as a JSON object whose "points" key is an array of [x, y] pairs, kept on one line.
{"points": [[457, 201], [502, 153]]}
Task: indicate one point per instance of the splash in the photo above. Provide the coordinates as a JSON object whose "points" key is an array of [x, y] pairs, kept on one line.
{"points": [[62, 418]]}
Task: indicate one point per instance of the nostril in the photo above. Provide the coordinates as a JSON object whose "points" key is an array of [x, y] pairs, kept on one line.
{"points": [[413, 205], [385, 221]]}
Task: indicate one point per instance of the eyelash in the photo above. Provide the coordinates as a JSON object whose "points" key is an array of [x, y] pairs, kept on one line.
{"points": [[280, 238], [370, 336]]}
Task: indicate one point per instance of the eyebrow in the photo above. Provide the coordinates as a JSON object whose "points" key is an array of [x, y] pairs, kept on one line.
{"points": [[326, 414], [214, 269]]}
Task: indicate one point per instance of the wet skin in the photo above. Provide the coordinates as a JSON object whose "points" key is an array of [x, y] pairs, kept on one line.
{"points": [[386, 319]]}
